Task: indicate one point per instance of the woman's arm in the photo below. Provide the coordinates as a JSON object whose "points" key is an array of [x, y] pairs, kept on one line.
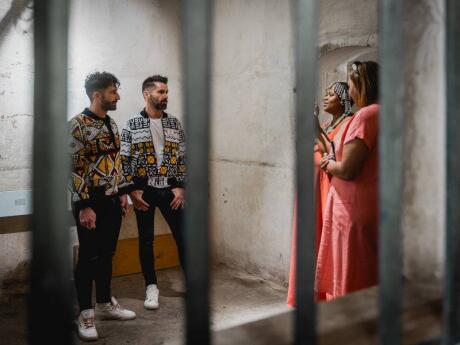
{"points": [[354, 154]]}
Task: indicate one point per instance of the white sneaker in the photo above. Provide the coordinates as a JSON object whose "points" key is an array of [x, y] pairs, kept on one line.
{"points": [[113, 311], [151, 297], [85, 323]]}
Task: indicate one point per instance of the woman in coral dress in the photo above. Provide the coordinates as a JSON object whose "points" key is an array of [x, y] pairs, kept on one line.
{"points": [[348, 251], [336, 102]]}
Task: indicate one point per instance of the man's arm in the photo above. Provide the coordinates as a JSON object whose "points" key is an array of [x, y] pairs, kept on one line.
{"points": [[181, 167], [126, 158], [79, 185], [135, 192], [178, 188]]}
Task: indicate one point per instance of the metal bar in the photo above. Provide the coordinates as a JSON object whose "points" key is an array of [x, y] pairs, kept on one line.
{"points": [[451, 308], [391, 172], [51, 273], [196, 24], [306, 80]]}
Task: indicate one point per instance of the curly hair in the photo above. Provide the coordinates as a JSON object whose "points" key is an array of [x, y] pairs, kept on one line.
{"points": [[99, 81], [150, 81]]}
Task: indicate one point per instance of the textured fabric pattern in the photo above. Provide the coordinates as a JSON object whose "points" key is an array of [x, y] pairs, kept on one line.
{"points": [[341, 90], [96, 163], [138, 152]]}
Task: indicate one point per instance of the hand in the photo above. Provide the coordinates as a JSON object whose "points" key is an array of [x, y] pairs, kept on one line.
{"points": [[124, 204], [87, 218], [178, 201], [138, 202], [325, 160]]}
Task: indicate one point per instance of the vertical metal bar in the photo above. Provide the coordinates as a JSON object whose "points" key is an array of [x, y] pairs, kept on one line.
{"points": [[196, 22], [306, 79], [391, 182], [451, 309], [51, 290]]}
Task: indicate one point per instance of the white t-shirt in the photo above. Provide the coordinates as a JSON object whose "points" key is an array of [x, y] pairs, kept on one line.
{"points": [[156, 127]]}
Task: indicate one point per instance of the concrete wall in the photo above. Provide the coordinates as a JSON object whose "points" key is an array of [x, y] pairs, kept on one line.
{"points": [[16, 121], [16, 94], [252, 135], [425, 141]]}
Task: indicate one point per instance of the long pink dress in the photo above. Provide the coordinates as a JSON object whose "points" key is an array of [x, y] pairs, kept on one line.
{"points": [[348, 252], [321, 191]]}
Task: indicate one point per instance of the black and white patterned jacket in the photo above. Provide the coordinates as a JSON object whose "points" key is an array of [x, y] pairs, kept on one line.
{"points": [[138, 153]]}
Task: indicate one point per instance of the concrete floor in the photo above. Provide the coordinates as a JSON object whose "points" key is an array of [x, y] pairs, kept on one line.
{"points": [[237, 298]]}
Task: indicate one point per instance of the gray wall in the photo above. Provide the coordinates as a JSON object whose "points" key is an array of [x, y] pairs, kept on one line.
{"points": [[252, 135], [424, 195], [16, 92]]}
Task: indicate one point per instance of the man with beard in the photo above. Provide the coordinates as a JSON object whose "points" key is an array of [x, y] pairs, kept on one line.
{"points": [[99, 199], [153, 152]]}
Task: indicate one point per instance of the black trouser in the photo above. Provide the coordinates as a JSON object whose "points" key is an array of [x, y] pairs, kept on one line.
{"points": [[161, 198], [97, 247]]}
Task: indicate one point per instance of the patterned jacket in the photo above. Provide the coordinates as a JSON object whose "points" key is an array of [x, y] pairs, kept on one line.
{"points": [[138, 152], [96, 163]]}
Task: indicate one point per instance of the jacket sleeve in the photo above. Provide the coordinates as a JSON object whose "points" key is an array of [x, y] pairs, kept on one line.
{"points": [[78, 184], [181, 167], [126, 153], [123, 185]]}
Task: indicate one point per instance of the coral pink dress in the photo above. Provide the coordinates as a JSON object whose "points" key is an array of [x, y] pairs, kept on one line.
{"points": [[321, 190], [348, 252]]}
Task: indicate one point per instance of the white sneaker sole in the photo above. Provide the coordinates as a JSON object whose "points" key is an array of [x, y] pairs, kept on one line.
{"points": [[149, 307], [83, 337], [119, 318]]}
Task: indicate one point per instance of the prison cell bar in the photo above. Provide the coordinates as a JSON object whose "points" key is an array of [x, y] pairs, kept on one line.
{"points": [[306, 37], [451, 303], [51, 271], [391, 166], [196, 19]]}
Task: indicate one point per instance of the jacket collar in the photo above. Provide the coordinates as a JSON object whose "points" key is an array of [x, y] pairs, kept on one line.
{"points": [[89, 113], [144, 114]]}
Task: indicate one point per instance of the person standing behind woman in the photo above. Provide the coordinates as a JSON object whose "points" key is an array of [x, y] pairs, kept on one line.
{"points": [[348, 251], [336, 102]]}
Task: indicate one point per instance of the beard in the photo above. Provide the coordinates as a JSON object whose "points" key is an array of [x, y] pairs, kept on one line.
{"points": [[158, 105], [107, 105]]}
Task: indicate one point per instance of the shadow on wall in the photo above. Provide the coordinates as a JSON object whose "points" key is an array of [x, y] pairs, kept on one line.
{"points": [[12, 16]]}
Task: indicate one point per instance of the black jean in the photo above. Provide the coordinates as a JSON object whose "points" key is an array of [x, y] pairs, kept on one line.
{"points": [[97, 247], [161, 198]]}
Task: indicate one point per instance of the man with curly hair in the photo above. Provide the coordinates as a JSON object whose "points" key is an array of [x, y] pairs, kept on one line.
{"points": [[99, 200]]}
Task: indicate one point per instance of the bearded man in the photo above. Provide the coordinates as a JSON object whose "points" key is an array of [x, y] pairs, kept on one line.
{"points": [[153, 157], [98, 189]]}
